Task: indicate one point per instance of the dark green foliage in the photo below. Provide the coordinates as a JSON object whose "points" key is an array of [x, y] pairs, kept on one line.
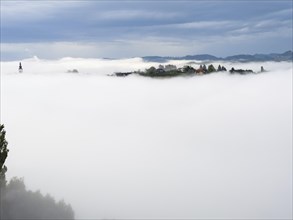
{"points": [[3, 155], [170, 73], [151, 71], [19, 203], [240, 71], [188, 69], [211, 68]]}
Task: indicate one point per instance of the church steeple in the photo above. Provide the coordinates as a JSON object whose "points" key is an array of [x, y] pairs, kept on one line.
{"points": [[20, 68]]}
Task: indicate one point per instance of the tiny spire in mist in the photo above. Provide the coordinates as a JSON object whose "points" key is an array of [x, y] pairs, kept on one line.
{"points": [[20, 68]]}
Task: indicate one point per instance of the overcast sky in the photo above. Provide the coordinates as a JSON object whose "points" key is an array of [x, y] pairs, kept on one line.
{"points": [[55, 29]]}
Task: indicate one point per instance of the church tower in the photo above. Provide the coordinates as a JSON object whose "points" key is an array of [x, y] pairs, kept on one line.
{"points": [[20, 68]]}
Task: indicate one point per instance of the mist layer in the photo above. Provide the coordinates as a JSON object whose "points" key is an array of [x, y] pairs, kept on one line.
{"points": [[215, 146]]}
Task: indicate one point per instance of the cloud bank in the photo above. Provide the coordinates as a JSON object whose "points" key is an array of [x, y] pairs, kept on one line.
{"points": [[216, 146]]}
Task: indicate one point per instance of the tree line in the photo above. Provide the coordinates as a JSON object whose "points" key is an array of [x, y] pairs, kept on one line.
{"points": [[16, 202], [170, 70]]}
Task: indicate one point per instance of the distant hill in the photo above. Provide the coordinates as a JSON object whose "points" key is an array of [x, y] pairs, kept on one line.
{"points": [[286, 56]]}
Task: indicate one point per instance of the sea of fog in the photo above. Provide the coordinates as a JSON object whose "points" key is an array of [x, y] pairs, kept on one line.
{"points": [[213, 146]]}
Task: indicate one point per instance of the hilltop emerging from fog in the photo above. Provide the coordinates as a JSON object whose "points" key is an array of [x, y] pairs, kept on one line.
{"points": [[171, 70]]}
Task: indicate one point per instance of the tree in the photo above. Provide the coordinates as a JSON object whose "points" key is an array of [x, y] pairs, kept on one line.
{"points": [[3, 155], [16, 202], [151, 71], [20, 203], [223, 68], [211, 68], [188, 69], [204, 68]]}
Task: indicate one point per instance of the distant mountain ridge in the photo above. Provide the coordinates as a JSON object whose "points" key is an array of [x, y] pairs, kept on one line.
{"points": [[286, 56]]}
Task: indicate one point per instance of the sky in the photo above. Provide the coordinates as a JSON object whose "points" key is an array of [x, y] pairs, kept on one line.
{"points": [[120, 29]]}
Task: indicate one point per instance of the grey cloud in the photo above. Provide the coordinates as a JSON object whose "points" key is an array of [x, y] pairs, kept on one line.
{"points": [[119, 15]]}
